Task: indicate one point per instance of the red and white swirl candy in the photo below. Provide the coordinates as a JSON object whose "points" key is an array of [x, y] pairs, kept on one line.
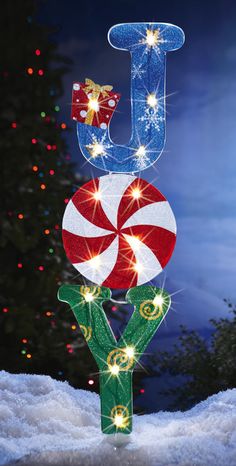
{"points": [[119, 231]]}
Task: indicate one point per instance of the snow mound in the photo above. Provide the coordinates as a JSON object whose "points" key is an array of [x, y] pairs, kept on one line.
{"points": [[45, 422]]}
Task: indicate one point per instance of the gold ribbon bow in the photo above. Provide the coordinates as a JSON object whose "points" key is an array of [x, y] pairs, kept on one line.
{"points": [[96, 90]]}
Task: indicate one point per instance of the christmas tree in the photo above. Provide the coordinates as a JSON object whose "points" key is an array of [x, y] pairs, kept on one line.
{"points": [[38, 334]]}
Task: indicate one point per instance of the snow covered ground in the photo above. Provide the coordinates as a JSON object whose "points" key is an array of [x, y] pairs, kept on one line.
{"points": [[46, 422]]}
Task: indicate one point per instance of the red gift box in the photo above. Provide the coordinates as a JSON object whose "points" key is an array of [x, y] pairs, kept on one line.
{"points": [[93, 104]]}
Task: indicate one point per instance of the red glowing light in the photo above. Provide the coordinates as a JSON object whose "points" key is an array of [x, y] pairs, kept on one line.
{"points": [[114, 308], [14, 124], [47, 231], [63, 126], [41, 268], [40, 72], [24, 340], [57, 227], [66, 200], [54, 147], [5, 309], [20, 265], [35, 168], [51, 172], [43, 186], [20, 216], [49, 147], [34, 141], [37, 52], [30, 70], [142, 390]]}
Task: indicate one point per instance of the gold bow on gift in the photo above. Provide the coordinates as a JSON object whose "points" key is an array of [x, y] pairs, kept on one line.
{"points": [[96, 89]]}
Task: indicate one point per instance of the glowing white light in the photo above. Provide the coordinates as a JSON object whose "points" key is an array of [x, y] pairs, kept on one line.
{"points": [[136, 193], [158, 300], [134, 243], [93, 105], [97, 149], [151, 37], [95, 262], [119, 420], [88, 297], [114, 369], [138, 267], [129, 351], [97, 195], [141, 152], [152, 100]]}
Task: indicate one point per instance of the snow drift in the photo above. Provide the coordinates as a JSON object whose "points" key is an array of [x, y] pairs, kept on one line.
{"points": [[46, 422]]}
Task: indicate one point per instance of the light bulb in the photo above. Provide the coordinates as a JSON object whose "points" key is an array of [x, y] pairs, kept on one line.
{"points": [[138, 267], [141, 151], [114, 369], [95, 262], [97, 149], [158, 300], [152, 100], [119, 420], [129, 350], [151, 37], [93, 105], [133, 242], [88, 297], [136, 193], [97, 195]]}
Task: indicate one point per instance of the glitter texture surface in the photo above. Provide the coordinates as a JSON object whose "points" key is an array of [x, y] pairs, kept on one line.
{"points": [[148, 44], [116, 360]]}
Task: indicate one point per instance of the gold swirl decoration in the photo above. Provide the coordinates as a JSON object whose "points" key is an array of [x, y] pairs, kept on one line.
{"points": [[150, 311], [94, 291], [118, 357], [87, 332], [120, 416]]}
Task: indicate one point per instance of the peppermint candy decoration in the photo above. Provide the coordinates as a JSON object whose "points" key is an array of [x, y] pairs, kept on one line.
{"points": [[119, 231]]}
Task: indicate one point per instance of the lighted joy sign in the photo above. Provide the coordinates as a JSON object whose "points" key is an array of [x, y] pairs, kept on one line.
{"points": [[148, 44], [118, 230]]}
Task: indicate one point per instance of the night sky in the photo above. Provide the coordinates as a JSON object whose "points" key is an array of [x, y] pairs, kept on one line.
{"points": [[196, 172]]}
